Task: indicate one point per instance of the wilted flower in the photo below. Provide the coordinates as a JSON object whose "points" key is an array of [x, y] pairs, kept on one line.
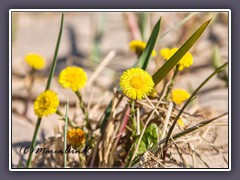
{"points": [[76, 137]]}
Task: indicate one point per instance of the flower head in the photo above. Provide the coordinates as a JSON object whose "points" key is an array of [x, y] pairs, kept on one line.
{"points": [[180, 122], [75, 137], [46, 103], [35, 61], [136, 83], [179, 96], [73, 77], [185, 61], [138, 47]]}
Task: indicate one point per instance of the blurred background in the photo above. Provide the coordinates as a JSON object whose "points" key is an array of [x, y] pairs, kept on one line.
{"points": [[88, 37]]}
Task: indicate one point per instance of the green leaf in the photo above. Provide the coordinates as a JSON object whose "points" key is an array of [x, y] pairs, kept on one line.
{"points": [[150, 136], [54, 62], [144, 59], [172, 62], [142, 147], [152, 130]]}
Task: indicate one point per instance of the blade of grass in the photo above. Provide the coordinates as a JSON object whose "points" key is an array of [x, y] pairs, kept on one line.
{"points": [[142, 24], [144, 59], [189, 130], [33, 143], [187, 103], [106, 116], [216, 62], [65, 135], [54, 62], [20, 164], [172, 62]]}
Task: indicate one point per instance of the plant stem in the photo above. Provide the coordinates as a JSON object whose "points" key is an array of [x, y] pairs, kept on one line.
{"points": [[82, 158], [54, 62], [29, 91], [33, 143], [82, 106], [65, 136], [71, 123], [172, 83], [132, 117]]}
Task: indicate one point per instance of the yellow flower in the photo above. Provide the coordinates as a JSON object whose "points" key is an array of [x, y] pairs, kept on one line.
{"points": [[138, 47], [73, 77], [35, 61], [185, 61], [179, 96], [136, 83], [75, 137], [46, 103], [180, 122]]}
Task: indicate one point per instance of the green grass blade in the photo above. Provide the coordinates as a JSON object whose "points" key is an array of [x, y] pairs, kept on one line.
{"points": [[105, 119], [33, 143], [187, 131], [54, 62], [20, 164], [65, 135], [171, 63], [144, 59], [199, 125], [142, 24], [190, 100]]}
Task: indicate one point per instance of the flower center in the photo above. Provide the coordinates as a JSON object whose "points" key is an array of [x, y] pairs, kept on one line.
{"points": [[136, 82]]}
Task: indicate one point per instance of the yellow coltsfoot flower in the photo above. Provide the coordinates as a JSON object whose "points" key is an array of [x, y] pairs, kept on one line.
{"points": [[34, 60], [136, 83], [76, 137], [138, 46], [180, 122], [73, 77], [46, 103], [179, 96], [185, 61]]}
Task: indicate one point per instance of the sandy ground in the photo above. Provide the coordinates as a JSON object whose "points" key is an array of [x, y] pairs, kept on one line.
{"points": [[37, 32]]}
